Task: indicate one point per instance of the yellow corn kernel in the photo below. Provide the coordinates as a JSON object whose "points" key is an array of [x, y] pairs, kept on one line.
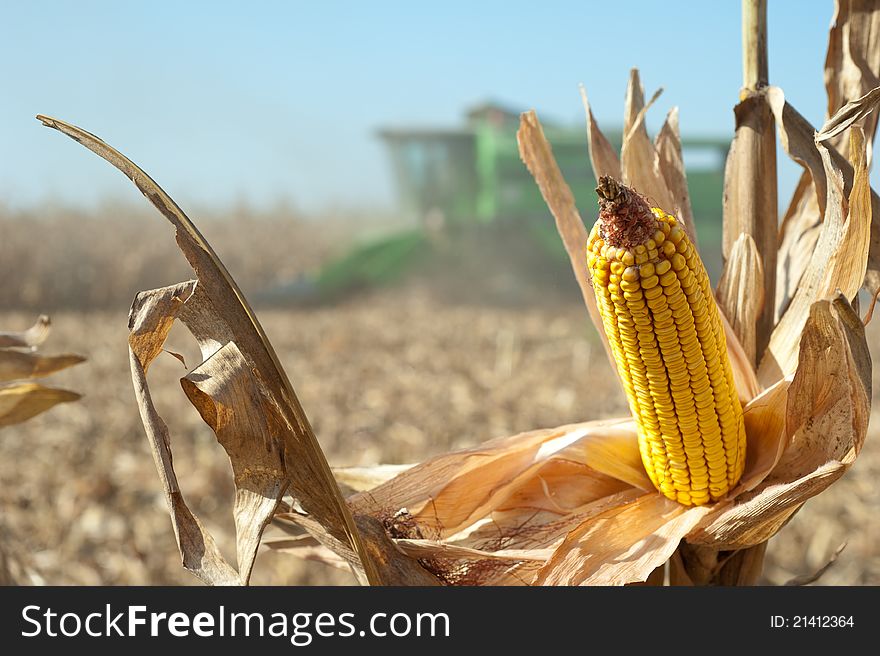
{"points": [[666, 337]]}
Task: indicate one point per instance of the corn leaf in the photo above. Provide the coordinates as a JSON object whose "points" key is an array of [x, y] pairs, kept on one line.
{"points": [[749, 204], [602, 156], [30, 338], [853, 111], [21, 401], [740, 292], [18, 365], [839, 260], [638, 156], [852, 63], [669, 165], [622, 545], [535, 151], [453, 491], [826, 420], [220, 318]]}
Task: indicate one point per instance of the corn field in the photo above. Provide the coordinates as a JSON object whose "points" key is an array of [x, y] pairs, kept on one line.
{"points": [[671, 434]]}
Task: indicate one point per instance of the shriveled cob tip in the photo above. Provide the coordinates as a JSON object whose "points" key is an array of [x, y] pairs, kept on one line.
{"points": [[625, 218], [665, 333]]}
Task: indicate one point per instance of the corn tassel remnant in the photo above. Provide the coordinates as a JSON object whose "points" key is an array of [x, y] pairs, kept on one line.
{"points": [[666, 336]]}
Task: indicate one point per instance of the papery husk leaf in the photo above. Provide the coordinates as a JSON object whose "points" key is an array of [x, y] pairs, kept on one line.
{"points": [[431, 549], [829, 401], [669, 165], [232, 399], [849, 114], [525, 537], [799, 231], [764, 418], [740, 292], [744, 376], [827, 410], [529, 491], [759, 518], [637, 154], [602, 156], [839, 260], [801, 224], [151, 318], [519, 495], [616, 454], [803, 221], [451, 492], [535, 151], [852, 63], [306, 469], [30, 338], [749, 201], [21, 401], [20, 365], [622, 545]]}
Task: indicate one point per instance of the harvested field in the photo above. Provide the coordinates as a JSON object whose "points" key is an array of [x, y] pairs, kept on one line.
{"points": [[389, 377]]}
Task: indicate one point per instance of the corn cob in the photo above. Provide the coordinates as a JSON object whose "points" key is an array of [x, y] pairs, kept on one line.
{"points": [[666, 336]]}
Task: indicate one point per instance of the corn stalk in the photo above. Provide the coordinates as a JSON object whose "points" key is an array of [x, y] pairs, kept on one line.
{"points": [[750, 222]]}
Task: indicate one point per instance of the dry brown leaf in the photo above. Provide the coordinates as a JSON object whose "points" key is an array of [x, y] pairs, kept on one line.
{"points": [[849, 114], [18, 365], [745, 378], [830, 397], [803, 220], [764, 418], [232, 399], [429, 549], [622, 545], [33, 336], [757, 519], [750, 204], [669, 166], [393, 568], [21, 401], [638, 156], [797, 138], [852, 63], [602, 156], [614, 452], [451, 492], [535, 151], [228, 318], [740, 292], [798, 234], [838, 262], [150, 320], [825, 426]]}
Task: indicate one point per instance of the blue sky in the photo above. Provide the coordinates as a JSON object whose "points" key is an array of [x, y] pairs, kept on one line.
{"points": [[261, 101]]}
